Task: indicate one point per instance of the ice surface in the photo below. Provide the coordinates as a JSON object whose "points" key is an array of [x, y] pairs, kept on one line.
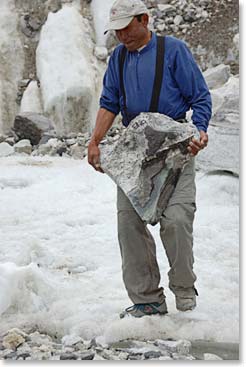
{"points": [[100, 10], [61, 266]]}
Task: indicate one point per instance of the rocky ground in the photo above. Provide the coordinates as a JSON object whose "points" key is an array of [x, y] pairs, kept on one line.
{"points": [[32, 345]]}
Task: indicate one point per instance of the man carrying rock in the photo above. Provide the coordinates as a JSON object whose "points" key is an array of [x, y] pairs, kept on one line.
{"points": [[147, 73]]}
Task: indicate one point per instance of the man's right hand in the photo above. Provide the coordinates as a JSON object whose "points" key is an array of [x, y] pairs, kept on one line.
{"points": [[94, 156]]}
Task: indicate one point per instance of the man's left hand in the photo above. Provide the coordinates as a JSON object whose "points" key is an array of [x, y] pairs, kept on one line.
{"points": [[196, 145]]}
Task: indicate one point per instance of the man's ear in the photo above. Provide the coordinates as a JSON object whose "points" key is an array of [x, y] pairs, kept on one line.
{"points": [[145, 20]]}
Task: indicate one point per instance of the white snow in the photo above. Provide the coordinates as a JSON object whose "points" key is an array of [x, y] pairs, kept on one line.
{"points": [[60, 265], [31, 100], [11, 63], [65, 69], [100, 10]]}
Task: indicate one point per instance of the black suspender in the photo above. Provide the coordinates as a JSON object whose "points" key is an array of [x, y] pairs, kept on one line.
{"points": [[159, 69], [121, 67]]}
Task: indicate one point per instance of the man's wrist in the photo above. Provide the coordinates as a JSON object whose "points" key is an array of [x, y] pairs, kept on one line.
{"points": [[94, 141]]}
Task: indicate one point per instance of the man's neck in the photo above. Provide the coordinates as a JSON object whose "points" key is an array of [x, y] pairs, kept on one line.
{"points": [[148, 38]]}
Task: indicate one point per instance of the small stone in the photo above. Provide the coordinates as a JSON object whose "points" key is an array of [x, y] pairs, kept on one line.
{"points": [[13, 339], [34, 24], [152, 354], [135, 357], [70, 340], [101, 53], [87, 355], [77, 151], [180, 346], [10, 355], [23, 356], [165, 358], [178, 356], [23, 146], [178, 20], [68, 356], [40, 339], [23, 83], [10, 140], [123, 355], [161, 27], [166, 8], [98, 357], [211, 357], [71, 141]]}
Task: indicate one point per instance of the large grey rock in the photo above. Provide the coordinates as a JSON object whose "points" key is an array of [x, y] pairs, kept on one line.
{"points": [[217, 76], [146, 161], [222, 152], [32, 126]]}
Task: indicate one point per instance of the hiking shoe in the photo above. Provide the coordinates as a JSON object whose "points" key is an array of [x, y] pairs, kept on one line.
{"points": [[185, 297], [185, 304], [145, 309]]}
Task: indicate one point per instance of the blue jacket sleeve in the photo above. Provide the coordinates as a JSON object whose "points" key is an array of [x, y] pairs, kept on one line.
{"points": [[192, 86], [110, 94]]}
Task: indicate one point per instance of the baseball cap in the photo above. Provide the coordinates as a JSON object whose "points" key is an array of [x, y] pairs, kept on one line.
{"points": [[122, 13]]}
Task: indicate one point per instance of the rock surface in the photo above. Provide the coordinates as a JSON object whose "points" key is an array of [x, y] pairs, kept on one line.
{"points": [[146, 161], [31, 126], [33, 345], [222, 152], [216, 77], [23, 146]]}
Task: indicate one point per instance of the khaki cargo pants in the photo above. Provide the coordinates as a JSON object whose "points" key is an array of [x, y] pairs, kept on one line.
{"points": [[141, 273]]}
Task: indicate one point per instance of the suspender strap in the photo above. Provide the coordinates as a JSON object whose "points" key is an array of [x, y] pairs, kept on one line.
{"points": [[159, 69], [121, 67]]}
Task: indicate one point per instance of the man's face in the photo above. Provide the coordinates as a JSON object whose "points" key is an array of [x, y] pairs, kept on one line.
{"points": [[134, 35]]}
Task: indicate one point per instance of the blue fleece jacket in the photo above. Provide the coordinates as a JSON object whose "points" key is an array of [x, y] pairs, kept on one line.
{"points": [[183, 85]]}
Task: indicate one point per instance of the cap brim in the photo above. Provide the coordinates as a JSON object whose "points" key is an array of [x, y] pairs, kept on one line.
{"points": [[115, 25]]}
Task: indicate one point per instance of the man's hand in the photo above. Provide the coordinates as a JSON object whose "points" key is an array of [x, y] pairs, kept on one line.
{"points": [[196, 145], [94, 156]]}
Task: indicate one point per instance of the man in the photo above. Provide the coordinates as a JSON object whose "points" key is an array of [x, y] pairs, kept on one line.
{"points": [[182, 87]]}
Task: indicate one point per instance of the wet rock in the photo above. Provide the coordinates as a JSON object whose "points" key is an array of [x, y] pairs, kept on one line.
{"points": [[31, 126], [23, 146], [147, 160]]}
